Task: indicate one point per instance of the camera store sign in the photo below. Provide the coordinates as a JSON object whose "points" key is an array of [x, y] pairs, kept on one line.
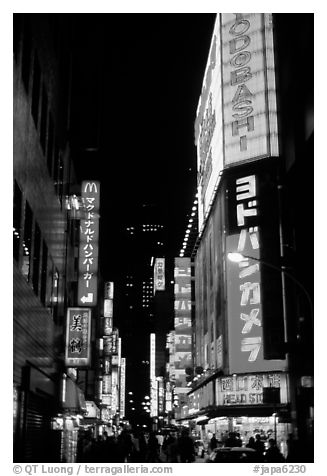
{"points": [[248, 389]]}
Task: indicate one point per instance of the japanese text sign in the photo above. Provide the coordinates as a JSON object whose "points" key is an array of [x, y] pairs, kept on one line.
{"points": [[182, 319], [244, 279], [248, 389], [249, 97], [159, 274], [88, 248], [78, 335]]}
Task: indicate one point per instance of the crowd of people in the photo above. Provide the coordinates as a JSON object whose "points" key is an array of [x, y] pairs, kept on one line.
{"points": [[139, 447], [136, 447], [272, 454]]}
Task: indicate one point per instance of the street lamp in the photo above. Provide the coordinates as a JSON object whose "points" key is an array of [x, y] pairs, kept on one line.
{"points": [[238, 257]]}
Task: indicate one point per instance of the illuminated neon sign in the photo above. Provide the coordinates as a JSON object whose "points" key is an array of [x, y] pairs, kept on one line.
{"points": [[244, 282], [249, 97], [88, 248], [78, 335]]}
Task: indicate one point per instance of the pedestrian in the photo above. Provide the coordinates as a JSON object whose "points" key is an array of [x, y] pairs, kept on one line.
{"points": [[259, 447], [125, 446], [232, 440], [293, 450], [186, 448], [238, 440], [143, 445], [273, 454], [170, 448], [135, 454], [251, 443], [153, 449], [213, 443]]}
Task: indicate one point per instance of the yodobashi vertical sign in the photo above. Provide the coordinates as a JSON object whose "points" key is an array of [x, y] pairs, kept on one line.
{"points": [[159, 275], [78, 334], [249, 96], [88, 248], [244, 280]]}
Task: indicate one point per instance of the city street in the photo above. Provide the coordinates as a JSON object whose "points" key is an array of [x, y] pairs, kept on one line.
{"points": [[163, 248]]}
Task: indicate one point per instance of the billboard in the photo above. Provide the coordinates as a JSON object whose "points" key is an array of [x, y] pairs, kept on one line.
{"points": [[92, 411], [88, 247], [152, 356], [159, 275], [108, 307], [237, 115], [249, 92], [78, 336], [122, 387], [209, 128], [249, 389], [108, 290], [182, 320], [254, 289]]}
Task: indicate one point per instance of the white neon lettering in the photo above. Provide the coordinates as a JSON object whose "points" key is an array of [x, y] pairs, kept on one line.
{"points": [[241, 213], [248, 288], [250, 320], [252, 345]]}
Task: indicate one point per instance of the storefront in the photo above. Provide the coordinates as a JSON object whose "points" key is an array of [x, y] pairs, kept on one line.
{"points": [[248, 404], [70, 420], [34, 405]]}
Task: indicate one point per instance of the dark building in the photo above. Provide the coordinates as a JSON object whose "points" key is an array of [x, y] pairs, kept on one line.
{"points": [[44, 237], [139, 312]]}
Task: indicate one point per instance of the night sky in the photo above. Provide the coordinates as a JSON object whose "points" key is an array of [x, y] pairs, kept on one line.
{"points": [[137, 79]]}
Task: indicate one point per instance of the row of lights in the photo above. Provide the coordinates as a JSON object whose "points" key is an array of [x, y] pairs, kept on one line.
{"points": [[146, 404], [189, 226], [16, 234]]}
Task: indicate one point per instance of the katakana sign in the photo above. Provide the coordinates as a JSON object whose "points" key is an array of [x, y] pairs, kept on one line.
{"points": [[78, 334], [88, 248], [248, 304]]}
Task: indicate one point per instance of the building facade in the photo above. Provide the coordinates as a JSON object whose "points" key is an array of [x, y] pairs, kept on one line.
{"points": [[43, 236], [144, 304], [250, 316]]}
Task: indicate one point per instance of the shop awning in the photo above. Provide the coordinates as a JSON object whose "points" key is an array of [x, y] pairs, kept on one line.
{"points": [[202, 420], [237, 411], [248, 410], [74, 400]]}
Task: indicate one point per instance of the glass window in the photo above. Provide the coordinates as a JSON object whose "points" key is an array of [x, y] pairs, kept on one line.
{"points": [[17, 220], [27, 241], [36, 258]]}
